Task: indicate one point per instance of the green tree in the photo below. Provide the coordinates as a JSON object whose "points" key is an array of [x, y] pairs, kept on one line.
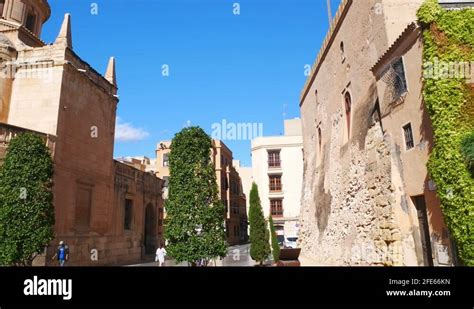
{"points": [[275, 244], [26, 200], [259, 236], [195, 215]]}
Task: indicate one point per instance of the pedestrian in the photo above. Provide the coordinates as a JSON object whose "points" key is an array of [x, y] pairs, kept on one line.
{"points": [[160, 255], [62, 254]]}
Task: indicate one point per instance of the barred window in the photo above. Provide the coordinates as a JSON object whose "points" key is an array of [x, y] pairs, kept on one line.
{"points": [[395, 79], [408, 132]]}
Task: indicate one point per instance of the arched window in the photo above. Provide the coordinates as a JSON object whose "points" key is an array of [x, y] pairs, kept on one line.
{"points": [[343, 53], [348, 107]]}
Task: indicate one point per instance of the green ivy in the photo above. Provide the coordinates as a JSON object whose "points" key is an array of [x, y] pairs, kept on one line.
{"points": [[467, 147], [449, 37], [26, 200]]}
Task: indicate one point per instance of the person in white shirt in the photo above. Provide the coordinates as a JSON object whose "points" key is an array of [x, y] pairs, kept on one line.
{"points": [[160, 255]]}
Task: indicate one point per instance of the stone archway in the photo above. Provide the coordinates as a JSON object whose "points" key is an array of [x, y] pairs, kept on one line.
{"points": [[150, 229]]}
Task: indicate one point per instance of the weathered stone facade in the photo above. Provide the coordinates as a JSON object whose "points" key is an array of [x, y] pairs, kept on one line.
{"points": [[361, 186], [50, 89]]}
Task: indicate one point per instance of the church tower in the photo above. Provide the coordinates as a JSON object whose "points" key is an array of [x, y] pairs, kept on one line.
{"points": [[22, 20]]}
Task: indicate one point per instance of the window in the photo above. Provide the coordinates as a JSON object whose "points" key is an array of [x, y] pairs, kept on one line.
{"points": [[83, 208], [320, 139], [31, 22], [409, 142], [275, 183], [166, 159], [2, 4], [166, 181], [127, 222], [348, 107], [400, 82], [343, 53], [276, 208], [316, 97], [274, 159]]}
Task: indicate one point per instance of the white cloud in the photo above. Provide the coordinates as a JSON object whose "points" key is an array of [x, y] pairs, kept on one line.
{"points": [[126, 132]]}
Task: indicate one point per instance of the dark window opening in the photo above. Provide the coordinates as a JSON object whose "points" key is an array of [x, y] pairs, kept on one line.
{"points": [[320, 140], [348, 107], [2, 4], [407, 131], [127, 222], [400, 84], [31, 22], [343, 53], [316, 97]]}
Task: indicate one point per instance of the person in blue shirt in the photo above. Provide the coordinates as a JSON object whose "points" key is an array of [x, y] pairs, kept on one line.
{"points": [[62, 253]]}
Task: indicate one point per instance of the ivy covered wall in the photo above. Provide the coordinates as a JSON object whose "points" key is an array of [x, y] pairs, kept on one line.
{"points": [[449, 97]]}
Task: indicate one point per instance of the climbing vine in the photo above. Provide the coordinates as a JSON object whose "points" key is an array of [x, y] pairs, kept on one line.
{"points": [[449, 43]]}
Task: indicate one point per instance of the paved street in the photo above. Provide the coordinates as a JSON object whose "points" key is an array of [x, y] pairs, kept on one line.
{"points": [[236, 256]]}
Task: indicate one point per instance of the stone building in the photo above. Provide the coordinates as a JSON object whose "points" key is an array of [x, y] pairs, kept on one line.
{"points": [[277, 169], [142, 163], [367, 197], [49, 89], [228, 181]]}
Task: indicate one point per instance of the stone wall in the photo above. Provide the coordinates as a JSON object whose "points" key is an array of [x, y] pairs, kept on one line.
{"points": [[354, 207]]}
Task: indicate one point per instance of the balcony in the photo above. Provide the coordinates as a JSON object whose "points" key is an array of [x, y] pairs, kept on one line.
{"points": [[274, 164]]}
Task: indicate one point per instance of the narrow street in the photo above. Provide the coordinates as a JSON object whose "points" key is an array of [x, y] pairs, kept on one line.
{"points": [[236, 256]]}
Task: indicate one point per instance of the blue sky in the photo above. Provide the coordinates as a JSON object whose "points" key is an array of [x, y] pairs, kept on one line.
{"points": [[246, 68]]}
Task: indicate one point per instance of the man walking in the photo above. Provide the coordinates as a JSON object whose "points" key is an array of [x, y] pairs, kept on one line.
{"points": [[160, 255], [62, 254]]}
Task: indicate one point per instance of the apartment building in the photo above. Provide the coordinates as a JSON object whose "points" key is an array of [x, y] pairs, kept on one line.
{"points": [[277, 169]]}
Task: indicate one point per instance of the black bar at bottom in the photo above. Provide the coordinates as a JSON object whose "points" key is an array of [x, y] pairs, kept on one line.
{"points": [[315, 285]]}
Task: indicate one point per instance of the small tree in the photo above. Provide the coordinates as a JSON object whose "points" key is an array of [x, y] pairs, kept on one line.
{"points": [[195, 215], [259, 236], [26, 201], [275, 244]]}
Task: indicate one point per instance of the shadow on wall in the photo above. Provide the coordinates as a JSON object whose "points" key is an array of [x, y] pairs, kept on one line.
{"points": [[322, 200]]}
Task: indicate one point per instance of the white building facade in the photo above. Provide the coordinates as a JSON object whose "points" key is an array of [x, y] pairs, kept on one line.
{"points": [[277, 169]]}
